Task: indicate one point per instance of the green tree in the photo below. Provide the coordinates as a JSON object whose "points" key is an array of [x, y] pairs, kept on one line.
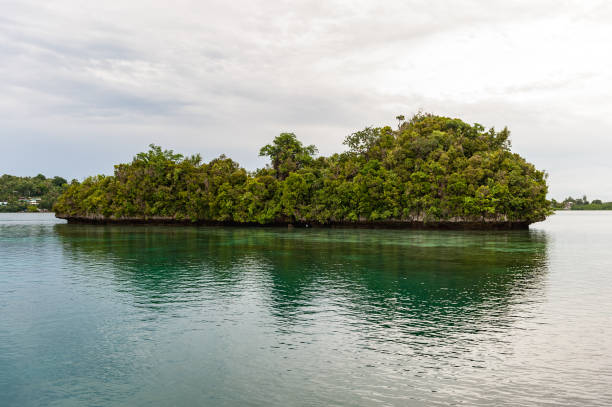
{"points": [[59, 181], [431, 169], [400, 119], [287, 154], [13, 188], [361, 142]]}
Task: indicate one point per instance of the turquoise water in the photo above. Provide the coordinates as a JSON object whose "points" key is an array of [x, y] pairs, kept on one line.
{"points": [[140, 316]]}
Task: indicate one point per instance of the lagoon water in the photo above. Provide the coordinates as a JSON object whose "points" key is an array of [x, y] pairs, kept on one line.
{"points": [[182, 316]]}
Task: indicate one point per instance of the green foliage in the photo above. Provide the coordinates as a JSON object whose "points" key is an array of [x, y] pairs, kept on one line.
{"points": [[582, 204], [17, 191], [287, 154], [400, 119], [361, 142], [431, 169], [602, 206]]}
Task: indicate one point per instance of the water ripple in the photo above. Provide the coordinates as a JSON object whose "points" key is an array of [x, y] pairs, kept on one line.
{"points": [[228, 316]]}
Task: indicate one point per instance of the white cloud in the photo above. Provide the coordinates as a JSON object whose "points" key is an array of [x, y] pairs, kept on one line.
{"points": [[103, 80]]}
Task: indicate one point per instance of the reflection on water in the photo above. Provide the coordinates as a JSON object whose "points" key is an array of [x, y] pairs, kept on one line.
{"points": [[226, 316], [383, 276], [420, 292]]}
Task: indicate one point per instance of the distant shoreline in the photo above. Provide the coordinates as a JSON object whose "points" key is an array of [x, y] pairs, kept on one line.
{"points": [[580, 210]]}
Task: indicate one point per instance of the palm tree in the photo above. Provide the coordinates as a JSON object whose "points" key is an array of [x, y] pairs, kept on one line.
{"points": [[400, 119]]}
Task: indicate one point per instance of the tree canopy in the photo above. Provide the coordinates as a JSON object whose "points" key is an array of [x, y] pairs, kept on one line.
{"points": [[581, 204], [287, 154], [16, 191], [431, 169]]}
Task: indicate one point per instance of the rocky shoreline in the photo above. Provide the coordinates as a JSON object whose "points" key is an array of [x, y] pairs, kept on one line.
{"points": [[453, 224]]}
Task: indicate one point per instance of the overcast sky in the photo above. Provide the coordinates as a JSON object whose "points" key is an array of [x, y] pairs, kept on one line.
{"points": [[85, 85]]}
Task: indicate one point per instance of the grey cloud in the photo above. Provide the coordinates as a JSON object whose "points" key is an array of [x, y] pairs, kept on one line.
{"points": [[548, 85], [225, 77]]}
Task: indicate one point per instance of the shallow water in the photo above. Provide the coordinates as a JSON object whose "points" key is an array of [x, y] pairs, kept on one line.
{"points": [[111, 315]]}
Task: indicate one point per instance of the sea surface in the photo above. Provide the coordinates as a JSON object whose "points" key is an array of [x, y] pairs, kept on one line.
{"points": [[211, 316]]}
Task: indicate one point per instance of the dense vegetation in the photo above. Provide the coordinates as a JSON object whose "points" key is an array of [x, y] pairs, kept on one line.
{"points": [[582, 204], [16, 192], [430, 169]]}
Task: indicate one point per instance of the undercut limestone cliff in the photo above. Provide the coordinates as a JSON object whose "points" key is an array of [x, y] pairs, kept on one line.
{"points": [[432, 172]]}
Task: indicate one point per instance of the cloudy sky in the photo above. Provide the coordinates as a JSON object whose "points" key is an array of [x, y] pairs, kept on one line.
{"points": [[89, 84]]}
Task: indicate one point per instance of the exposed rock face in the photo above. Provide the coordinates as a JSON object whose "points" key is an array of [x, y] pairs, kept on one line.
{"points": [[455, 223], [433, 172]]}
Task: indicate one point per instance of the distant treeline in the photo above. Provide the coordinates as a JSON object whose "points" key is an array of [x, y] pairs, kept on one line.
{"points": [[582, 204], [429, 169], [17, 193]]}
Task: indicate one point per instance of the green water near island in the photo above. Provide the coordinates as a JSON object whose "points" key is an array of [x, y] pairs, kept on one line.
{"points": [[139, 316]]}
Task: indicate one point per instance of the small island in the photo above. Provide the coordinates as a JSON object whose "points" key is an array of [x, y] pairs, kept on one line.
{"points": [[429, 172]]}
